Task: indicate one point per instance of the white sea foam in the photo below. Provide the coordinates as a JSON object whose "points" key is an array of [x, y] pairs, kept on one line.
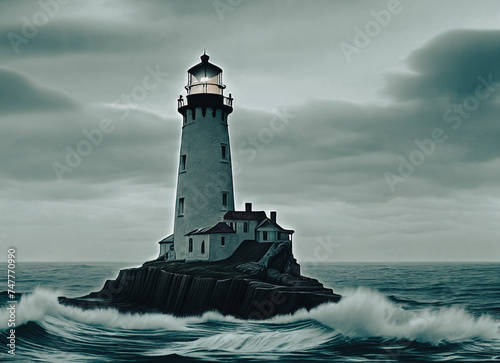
{"points": [[365, 313], [265, 341], [361, 313], [42, 305], [252, 342]]}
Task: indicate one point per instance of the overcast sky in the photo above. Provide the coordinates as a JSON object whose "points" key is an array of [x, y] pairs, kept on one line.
{"points": [[371, 127]]}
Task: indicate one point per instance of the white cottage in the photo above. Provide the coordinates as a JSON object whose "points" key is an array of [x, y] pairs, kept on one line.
{"points": [[211, 243], [219, 241]]}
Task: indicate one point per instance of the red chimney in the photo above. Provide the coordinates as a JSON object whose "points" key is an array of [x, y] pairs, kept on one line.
{"points": [[248, 207]]}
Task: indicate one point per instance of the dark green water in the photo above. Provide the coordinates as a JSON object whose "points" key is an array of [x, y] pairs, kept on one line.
{"points": [[390, 312]]}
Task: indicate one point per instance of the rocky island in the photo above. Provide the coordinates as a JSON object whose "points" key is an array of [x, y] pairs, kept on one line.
{"points": [[258, 281]]}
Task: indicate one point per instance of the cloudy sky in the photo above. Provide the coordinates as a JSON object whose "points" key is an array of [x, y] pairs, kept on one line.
{"points": [[371, 127]]}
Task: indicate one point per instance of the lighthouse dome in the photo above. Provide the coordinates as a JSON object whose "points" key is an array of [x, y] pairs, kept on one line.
{"points": [[205, 77]]}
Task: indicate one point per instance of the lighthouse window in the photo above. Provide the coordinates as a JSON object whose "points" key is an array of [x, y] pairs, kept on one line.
{"points": [[202, 247], [223, 148], [224, 200], [183, 163], [190, 245], [181, 207], [223, 241], [245, 227]]}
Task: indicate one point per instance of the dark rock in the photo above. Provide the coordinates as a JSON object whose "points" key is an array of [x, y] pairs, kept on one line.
{"points": [[277, 261], [250, 290]]}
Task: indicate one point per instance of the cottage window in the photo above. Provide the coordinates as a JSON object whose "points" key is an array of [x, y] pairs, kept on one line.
{"points": [[264, 235], [223, 241], [202, 247], [190, 245]]}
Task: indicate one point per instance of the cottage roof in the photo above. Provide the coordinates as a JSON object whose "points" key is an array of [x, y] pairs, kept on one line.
{"points": [[245, 215], [168, 239], [220, 227], [276, 225]]}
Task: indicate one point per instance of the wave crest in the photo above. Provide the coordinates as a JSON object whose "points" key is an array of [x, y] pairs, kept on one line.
{"points": [[362, 313], [365, 313], [42, 305]]}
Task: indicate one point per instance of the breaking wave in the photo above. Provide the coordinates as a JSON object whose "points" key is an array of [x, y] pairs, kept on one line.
{"points": [[365, 313], [42, 305], [361, 314]]}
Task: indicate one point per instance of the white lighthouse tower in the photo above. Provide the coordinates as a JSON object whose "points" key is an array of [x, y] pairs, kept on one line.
{"points": [[206, 226], [205, 180]]}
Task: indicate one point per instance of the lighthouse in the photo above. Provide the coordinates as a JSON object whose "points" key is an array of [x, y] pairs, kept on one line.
{"points": [[205, 180], [206, 226]]}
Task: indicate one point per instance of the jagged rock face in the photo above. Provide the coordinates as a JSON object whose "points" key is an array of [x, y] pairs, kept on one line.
{"points": [[266, 288], [280, 257], [149, 289], [278, 260]]}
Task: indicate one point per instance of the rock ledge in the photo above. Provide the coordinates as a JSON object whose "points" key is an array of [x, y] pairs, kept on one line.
{"points": [[259, 281]]}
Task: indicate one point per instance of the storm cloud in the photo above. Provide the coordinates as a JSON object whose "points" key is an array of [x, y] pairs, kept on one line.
{"points": [[393, 156]]}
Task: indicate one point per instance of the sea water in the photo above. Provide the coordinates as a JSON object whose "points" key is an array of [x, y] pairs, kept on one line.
{"points": [[389, 312]]}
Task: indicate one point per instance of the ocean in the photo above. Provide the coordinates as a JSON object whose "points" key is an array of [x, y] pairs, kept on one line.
{"points": [[390, 312]]}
